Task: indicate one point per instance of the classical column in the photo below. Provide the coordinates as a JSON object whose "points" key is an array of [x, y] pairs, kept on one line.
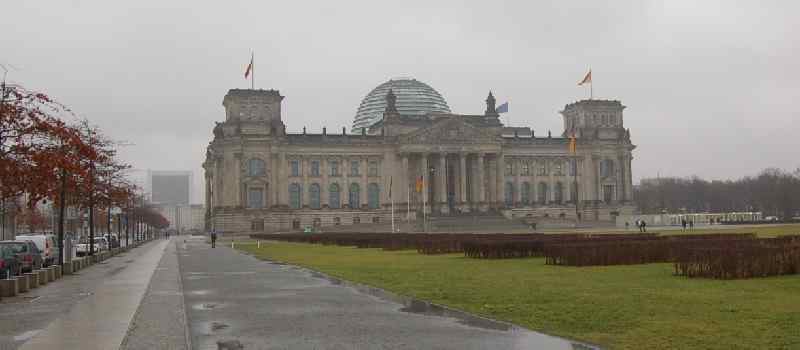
{"points": [[403, 174], [325, 186], [237, 180], [463, 181], [491, 197], [441, 184], [306, 186], [500, 184], [517, 183], [425, 181], [481, 184], [364, 181], [283, 192], [598, 191]]}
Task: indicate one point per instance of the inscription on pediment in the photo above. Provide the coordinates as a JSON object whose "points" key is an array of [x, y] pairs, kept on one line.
{"points": [[452, 131]]}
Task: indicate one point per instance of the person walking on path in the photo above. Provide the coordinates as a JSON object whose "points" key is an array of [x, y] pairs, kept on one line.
{"points": [[683, 223], [644, 226], [691, 225], [213, 238]]}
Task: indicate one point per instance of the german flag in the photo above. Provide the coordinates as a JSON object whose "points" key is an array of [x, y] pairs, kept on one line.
{"points": [[419, 184]]}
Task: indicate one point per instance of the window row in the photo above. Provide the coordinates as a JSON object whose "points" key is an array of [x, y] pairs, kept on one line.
{"points": [[542, 193], [334, 168], [540, 168], [296, 196]]}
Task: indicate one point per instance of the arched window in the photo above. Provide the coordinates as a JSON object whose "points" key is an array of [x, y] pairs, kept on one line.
{"points": [[542, 193], [256, 167], [355, 195], [373, 196], [509, 194], [559, 192], [526, 193], [314, 192], [334, 201], [295, 196]]}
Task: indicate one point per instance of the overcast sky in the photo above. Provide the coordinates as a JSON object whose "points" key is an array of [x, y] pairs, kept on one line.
{"points": [[711, 86]]}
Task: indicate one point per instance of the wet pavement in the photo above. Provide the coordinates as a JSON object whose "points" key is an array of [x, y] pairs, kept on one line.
{"points": [[235, 301], [27, 316]]}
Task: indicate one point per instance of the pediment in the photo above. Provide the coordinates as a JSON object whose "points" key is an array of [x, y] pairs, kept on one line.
{"points": [[451, 130]]}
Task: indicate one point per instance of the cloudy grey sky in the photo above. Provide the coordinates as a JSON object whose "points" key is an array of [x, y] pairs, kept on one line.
{"points": [[711, 86]]}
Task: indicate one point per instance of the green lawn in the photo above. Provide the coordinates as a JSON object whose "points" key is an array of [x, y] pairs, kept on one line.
{"points": [[619, 307]]}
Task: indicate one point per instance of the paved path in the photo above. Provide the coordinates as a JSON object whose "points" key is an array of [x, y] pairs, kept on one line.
{"points": [[182, 294], [101, 320], [236, 300]]}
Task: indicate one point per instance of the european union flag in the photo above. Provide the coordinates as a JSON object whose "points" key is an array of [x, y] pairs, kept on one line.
{"points": [[503, 108]]}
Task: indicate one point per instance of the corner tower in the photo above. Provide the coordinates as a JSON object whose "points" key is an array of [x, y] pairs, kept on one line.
{"points": [[598, 119]]}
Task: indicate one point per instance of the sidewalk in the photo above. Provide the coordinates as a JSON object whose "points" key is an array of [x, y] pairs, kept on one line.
{"points": [[101, 319]]}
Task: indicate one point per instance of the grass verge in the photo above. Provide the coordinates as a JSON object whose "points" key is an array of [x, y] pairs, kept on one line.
{"points": [[619, 307]]}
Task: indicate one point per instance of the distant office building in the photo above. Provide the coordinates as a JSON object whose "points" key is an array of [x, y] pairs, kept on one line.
{"points": [[170, 187]]}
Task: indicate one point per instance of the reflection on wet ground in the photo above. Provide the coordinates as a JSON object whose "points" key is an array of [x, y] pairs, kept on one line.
{"points": [[422, 307]]}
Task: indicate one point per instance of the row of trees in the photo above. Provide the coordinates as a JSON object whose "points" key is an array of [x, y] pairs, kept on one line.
{"points": [[48, 154], [774, 192]]}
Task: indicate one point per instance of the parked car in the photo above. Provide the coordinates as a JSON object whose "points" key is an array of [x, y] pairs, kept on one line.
{"points": [[10, 265], [113, 241], [29, 256], [100, 244], [47, 244]]}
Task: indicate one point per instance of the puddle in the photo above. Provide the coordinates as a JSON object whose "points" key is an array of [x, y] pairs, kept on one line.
{"points": [[26, 335], [211, 327], [229, 345], [332, 280], [200, 292], [207, 306], [237, 273]]}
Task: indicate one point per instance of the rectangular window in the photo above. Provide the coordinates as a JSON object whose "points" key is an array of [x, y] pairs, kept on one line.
{"points": [[509, 169], [295, 164], [255, 198], [559, 169], [354, 167], [334, 168], [373, 168], [541, 170], [314, 168], [526, 169], [573, 167], [608, 193]]}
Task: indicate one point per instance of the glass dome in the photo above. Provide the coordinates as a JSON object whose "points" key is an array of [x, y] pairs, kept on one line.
{"points": [[413, 98]]}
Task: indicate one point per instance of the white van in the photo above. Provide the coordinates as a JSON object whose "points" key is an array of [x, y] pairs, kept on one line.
{"points": [[47, 244]]}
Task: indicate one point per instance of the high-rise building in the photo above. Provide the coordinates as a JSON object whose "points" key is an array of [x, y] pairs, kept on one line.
{"points": [[170, 187]]}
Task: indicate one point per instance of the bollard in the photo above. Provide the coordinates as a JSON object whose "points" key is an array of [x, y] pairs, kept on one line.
{"points": [[33, 280], [8, 287], [51, 274], [23, 283], [259, 244], [67, 268], [58, 271], [42, 276], [232, 244]]}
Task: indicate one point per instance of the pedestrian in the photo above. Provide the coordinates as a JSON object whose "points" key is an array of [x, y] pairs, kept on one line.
{"points": [[644, 226], [626, 225], [691, 225], [683, 223], [213, 238]]}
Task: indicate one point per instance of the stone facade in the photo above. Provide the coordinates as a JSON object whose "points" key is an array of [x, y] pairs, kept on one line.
{"points": [[259, 178]]}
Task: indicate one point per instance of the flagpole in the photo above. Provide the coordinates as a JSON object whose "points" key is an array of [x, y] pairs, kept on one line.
{"points": [[253, 71], [424, 206], [391, 199]]}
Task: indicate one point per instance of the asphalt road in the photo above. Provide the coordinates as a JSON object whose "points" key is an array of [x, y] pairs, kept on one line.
{"points": [[235, 301]]}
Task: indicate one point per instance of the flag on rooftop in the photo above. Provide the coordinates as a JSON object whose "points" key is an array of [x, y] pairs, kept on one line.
{"points": [[503, 108], [249, 67], [587, 79]]}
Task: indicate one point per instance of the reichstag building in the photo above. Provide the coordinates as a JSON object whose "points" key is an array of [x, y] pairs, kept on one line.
{"points": [[407, 148]]}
